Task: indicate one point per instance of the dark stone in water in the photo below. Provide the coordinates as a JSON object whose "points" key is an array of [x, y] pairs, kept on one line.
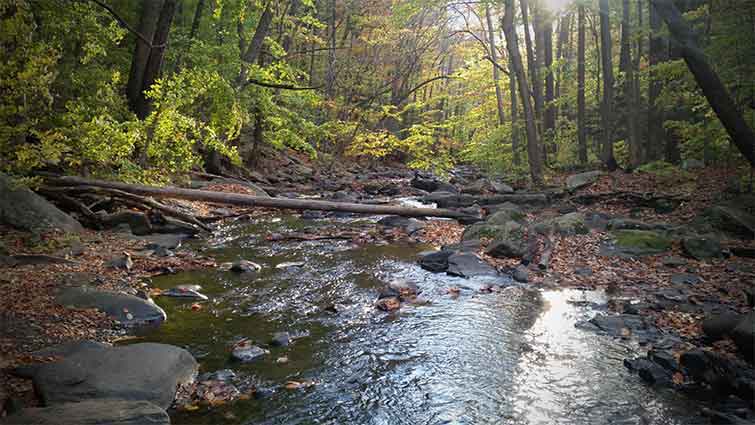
{"points": [[649, 371], [434, 261], [185, 291], [245, 266], [127, 309], [245, 352], [468, 265], [280, 339], [521, 274]]}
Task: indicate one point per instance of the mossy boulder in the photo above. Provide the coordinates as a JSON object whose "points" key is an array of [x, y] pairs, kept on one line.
{"points": [[701, 248], [505, 215], [640, 242], [481, 230], [580, 180], [573, 223], [511, 241]]}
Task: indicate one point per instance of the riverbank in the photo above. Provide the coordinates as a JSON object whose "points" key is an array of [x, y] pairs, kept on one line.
{"points": [[644, 251]]}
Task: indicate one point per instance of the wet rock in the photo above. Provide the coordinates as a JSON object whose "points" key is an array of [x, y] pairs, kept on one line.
{"points": [[410, 225], [702, 248], [25, 210], [468, 265], [245, 266], [146, 371], [434, 261], [404, 288], [289, 264], [185, 291], [245, 352], [280, 339], [581, 180], [649, 371], [685, 279], [510, 241], [621, 325], [93, 412], [717, 327], [744, 337], [521, 274], [723, 375], [225, 375], [627, 243], [388, 304], [127, 309]]}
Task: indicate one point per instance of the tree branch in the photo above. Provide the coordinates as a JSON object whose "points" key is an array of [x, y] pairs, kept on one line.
{"points": [[122, 22], [278, 86]]}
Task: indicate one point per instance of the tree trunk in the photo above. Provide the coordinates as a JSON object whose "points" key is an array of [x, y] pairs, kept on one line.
{"points": [[550, 111], [657, 53], [637, 96], [330, 76], [514, 118], [533, 147], [193, 33], [254, 49], [259, 201], [147, 24], [531, 64], [156, 55], [707, 78], [581, 130], [496, 76], [563, 36], [626, 67], [607, 105]]}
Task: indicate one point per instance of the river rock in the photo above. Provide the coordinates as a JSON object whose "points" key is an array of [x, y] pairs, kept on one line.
{"points": [[701, 248], [25, 210], [244, 351], [468, 265], [127, 309], [146, 371], [503, 215], [744, 337], [521, 274], [568, 224], [434, 261], [388, 303], [185, 291], [92, 412], [410, 225], [636, 243], [718, 326], [581, 180], [649, 371], [280, 339], [245, 266], [482, 230], [122, 261], [510, 241]]}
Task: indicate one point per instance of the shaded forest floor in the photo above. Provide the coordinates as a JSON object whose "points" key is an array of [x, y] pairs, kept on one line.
{"points": [[30, 319]]}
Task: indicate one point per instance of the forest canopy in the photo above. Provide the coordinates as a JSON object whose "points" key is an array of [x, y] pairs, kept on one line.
{"points": [[146, 90]]}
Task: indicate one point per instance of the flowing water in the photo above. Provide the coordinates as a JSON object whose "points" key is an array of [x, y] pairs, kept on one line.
{"points": [[512, 356]]}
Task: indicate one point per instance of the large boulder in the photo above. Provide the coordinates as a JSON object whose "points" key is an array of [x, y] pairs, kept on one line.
{"points": [[730, 220], [127, 309], [637, 243], [504, 215], [481, 230], [744, 337], [573, 223], [465, 264], [140, 372], [510, 241], [92, 412], [701, 248], [580, 180], [434, 261], [25, 210]]}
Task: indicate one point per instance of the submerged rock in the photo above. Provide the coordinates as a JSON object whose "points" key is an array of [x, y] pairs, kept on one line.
{"points": [[244, 266], [468, 265], [185, 291], [145, 371], [244, 351], [93, 412], [280, 339], [127, 309]]}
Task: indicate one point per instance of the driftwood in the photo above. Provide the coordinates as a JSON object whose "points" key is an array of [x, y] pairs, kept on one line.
{"points": [[257, 201]]}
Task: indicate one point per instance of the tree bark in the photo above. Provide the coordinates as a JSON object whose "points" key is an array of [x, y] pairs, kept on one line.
{"points": [[607, 106], [550, 111], [707, 78], [514, 118], [254, 49], [258, 201], [496, 75], [330, 76], [657, 54], [531, 64], [627, 67], [533, 147], [156, 55], [147, 23], [581, 130], [563, 36]]}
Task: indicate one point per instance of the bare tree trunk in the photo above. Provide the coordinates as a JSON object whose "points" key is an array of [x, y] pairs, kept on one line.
{"points": [[581, 130], [641, 140], [496, 76], [330, 76], [657, 54], [564, 29], [514, 117], [254, 49], [607, 106], [533, 147], [531, 64], [626, 67], [147, 24], [156, 55], [713, 89], [550, 111]]}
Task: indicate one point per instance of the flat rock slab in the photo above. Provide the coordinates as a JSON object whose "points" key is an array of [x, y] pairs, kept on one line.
{"points": [[23, 209], [468, 265], [127, 309], [140, 372], [93, 412]]}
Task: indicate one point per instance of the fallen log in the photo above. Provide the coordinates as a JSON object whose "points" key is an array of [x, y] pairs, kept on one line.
{"points": [[258, 201]]}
